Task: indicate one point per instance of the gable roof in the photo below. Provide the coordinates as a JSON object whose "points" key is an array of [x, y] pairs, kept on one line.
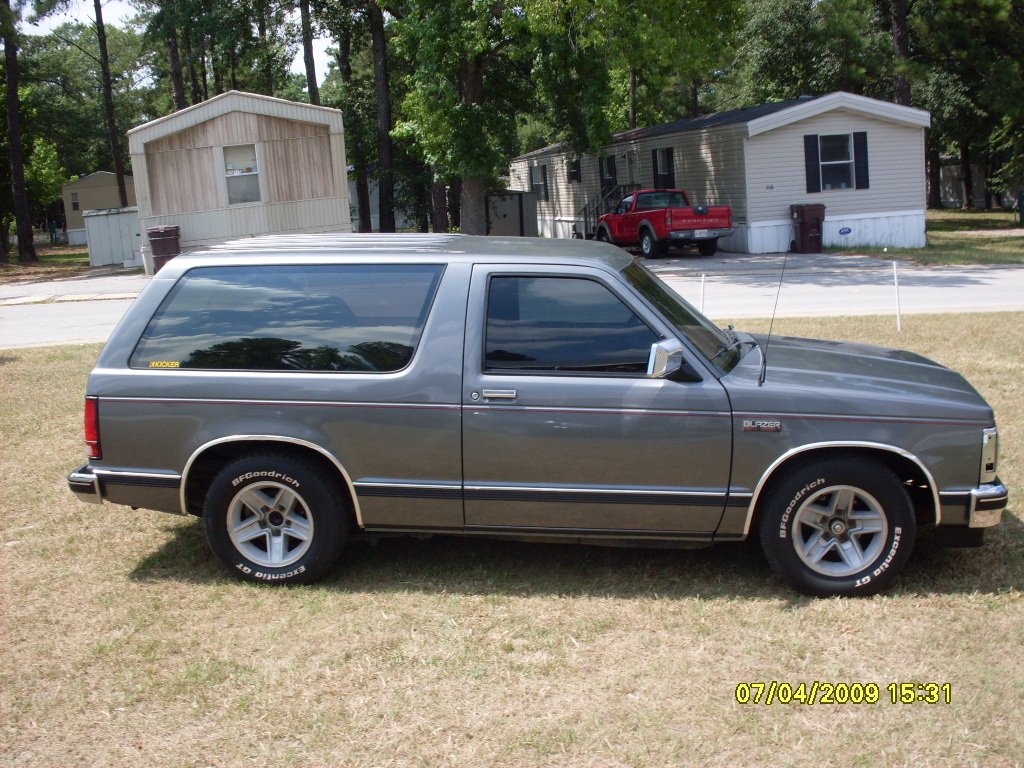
{"points": [[767, 117], [233, 101]]}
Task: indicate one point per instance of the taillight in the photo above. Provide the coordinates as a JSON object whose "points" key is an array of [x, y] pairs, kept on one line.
{"points": [[92, 427]]}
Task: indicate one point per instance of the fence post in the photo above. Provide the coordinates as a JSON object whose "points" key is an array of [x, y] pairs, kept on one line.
{"points": [[896, 283]]}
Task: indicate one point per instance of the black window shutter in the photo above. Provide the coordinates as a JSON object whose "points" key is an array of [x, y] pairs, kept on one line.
{"points": [[670, 172], [544, 182], [811, 162], [860, 160]]}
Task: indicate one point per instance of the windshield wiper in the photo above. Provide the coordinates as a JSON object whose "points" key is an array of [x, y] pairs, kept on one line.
{"points": [[729, 347]]}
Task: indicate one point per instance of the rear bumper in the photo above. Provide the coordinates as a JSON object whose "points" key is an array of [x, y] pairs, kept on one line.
{"points": [[85, 485], [987, 505], [696, 235]]}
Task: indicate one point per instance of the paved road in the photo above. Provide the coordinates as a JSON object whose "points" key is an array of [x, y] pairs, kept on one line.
{"points": [[80, 310]]}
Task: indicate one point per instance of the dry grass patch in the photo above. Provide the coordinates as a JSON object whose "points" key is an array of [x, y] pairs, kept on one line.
{"points": [[127, 645]]}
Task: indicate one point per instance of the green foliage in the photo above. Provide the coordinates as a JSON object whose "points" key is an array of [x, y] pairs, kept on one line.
{"points": [[44, 175]]}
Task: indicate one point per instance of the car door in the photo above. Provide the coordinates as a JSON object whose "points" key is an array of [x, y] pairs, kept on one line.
{"points": [[620, 233], [562, 428]]}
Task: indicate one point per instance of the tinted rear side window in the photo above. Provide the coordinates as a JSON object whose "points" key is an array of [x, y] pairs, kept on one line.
{"points": [[349, 317]]}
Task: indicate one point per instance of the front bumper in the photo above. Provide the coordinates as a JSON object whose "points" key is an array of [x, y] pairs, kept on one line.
{"points": [[987, 504], [85, 485], [698, 234]]}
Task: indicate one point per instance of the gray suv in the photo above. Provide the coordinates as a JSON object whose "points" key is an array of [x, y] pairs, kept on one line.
{"points": [[298, 390]]}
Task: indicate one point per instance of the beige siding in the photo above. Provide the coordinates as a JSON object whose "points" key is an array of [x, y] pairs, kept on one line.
{"points": [[186, 173], [95, 192], [776, 175], [708, 164]]}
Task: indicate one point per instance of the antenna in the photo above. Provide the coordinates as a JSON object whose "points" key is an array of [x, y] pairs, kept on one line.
{"points": [[771, 324]]}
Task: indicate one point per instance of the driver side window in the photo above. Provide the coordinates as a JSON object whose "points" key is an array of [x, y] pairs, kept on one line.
{"points": [[563, 324]]}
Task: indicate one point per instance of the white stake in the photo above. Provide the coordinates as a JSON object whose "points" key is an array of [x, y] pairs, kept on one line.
{"points": [[702, 292], [896, 282]]}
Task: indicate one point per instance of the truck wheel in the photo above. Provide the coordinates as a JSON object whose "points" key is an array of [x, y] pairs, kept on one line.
{"points": [[708, 247], [275, 518], [602, 235], [839, 528], [649, 245]]}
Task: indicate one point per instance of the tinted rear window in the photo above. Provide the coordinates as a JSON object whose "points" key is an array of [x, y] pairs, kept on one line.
{"points": [[350, 317]]}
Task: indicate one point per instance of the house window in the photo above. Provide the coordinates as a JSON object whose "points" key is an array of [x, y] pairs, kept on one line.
{"points": [[74, 201], [242, 173], [609, 177], [836, 161], [664, 172], [539, 181], [575, 171]]}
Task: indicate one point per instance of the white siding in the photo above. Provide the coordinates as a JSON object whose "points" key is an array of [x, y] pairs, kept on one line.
{"points": [[776, 175]]}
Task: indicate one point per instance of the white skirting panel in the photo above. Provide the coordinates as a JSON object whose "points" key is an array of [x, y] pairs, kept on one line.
{"points": [[558, 226], [903, 229], [899, 229], [76, 236], [737, 241]]}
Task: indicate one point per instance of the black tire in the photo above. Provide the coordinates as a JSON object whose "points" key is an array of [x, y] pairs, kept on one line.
{"points": [[275, 518], [650, 247], [708, 247], [603, 236], [808, 538]]}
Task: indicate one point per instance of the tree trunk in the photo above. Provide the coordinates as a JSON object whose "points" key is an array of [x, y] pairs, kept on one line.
{"points": [[357, 155], [307, 53], [108, 105], [474, 220], [455, 203], [268, 63], [15, 149], [474, 213], [177, 77], [5, 235], [193, 72], [967, 175], [438, 203], [901, 41], [632, 97], [934, 178], [381, 76], [204, 78], [695, 98]]}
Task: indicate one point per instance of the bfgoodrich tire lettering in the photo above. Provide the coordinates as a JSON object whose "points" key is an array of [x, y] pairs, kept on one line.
{"points": [[275, 518], [839, 528]]}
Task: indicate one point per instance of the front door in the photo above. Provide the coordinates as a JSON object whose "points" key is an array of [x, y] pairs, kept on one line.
{"points": [[563, 431]]}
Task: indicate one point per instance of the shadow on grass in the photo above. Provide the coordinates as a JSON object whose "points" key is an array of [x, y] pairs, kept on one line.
{"points": [[478, 566]]}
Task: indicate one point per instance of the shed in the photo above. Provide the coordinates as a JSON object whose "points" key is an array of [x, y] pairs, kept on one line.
{"points": [[242, 164], [94, 192], [862, 158]]}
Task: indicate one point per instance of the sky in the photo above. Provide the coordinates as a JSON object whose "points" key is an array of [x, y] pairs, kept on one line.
{"points": [[119, 12]]}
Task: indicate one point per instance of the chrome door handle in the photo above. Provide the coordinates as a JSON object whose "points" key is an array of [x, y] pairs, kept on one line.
{"points": [[500, 394]]}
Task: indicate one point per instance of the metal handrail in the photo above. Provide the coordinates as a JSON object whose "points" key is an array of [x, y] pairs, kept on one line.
{"points": [[600, 205]]}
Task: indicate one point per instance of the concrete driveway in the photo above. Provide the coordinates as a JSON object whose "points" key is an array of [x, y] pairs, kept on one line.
{"points": [[727, 286]]}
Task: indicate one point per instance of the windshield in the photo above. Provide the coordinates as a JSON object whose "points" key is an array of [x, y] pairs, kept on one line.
{"points": [[716, 345]]}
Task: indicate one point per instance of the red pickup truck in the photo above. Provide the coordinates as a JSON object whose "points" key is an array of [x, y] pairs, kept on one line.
{"points": [[658, 218]]}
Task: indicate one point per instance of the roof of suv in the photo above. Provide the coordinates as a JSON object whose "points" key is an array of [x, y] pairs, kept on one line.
{"points": [[297, 248]]}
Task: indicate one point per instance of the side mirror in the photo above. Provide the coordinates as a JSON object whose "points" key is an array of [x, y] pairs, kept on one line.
{"points": [[666, 358]]}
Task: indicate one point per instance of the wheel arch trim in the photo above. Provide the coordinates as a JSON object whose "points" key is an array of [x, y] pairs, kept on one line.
{"points": [[839, 444], [269, 439]]}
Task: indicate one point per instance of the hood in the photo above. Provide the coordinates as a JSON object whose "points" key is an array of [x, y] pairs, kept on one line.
{"points": [[835, 377]]}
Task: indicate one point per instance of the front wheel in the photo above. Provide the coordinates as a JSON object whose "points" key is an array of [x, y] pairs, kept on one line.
{"points": [[603, 236], [650, 247], [275, 518], [838, 527]]}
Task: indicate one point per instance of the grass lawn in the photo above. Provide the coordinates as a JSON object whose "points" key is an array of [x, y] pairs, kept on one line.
{"points": [[961, 237], [127, 645], [55, 261]]}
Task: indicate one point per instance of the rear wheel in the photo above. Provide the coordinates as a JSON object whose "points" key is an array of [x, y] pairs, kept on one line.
{"points": [[839, 528], [650, 247], [708, 247], [275, 518]]}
